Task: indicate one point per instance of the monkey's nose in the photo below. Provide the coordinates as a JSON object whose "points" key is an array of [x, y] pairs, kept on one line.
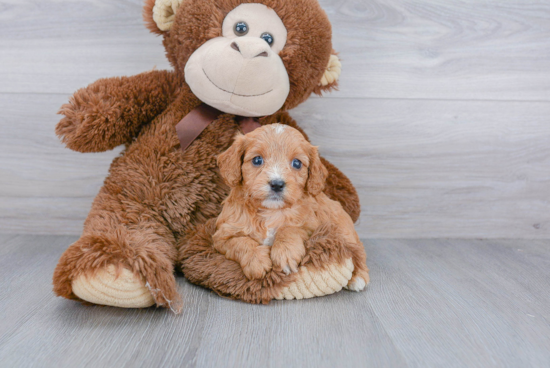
{"points": [[235, 46], [250, 47], [277, 185]]}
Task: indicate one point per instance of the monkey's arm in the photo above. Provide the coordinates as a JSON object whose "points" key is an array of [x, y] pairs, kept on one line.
{"points": [[338, 186], [111, 111]]}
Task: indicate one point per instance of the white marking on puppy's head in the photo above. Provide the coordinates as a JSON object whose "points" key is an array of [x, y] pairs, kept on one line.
{"points": [[275, 172], [279, 128]]}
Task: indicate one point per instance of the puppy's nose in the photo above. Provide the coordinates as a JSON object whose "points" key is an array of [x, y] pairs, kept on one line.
{"points": [[277, 185]]}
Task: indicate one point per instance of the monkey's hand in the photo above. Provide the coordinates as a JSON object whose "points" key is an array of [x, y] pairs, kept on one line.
{"points": [[111, 111]]}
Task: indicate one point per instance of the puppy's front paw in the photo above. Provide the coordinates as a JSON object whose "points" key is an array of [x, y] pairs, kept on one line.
{"points": [[359, 281], [258, 263], [287, 259]]}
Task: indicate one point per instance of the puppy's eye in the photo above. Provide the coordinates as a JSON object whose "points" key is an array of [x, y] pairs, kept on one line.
{"points": [[258, 161], [241, 28], [297, 164], [267, 38]]}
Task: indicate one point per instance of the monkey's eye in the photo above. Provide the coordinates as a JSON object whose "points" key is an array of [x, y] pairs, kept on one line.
{"points": [[267, 38], [258, 161], [241, 28], [297, 164]]}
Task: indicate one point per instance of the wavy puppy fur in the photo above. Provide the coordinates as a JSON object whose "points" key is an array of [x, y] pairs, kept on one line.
{"points": [[266, 234]]}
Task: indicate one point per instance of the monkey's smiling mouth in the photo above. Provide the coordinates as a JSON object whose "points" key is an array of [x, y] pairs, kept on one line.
{"points": [[233, 93]]}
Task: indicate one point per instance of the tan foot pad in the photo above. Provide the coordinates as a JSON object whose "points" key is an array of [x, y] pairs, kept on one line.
{"points": [[105, 288], [318, 283]]}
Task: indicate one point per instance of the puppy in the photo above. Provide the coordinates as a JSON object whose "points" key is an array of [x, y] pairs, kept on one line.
{"points": [[276, 203]]}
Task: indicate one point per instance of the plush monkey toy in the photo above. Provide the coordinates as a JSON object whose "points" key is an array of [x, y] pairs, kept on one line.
{"points": [[243, 59]]}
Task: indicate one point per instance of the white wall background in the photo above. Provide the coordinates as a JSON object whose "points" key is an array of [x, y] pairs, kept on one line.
{"points": [[442, 120]]}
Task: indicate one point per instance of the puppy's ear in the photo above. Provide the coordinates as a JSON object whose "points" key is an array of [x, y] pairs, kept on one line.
{"points": [[230, 162], [317, 174]]}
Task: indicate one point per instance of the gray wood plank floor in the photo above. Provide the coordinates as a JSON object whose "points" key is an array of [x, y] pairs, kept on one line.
{"points": [[441, 120], [431, 303]]}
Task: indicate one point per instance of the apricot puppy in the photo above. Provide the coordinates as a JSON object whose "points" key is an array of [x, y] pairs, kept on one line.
{"points": [[276, 203]]}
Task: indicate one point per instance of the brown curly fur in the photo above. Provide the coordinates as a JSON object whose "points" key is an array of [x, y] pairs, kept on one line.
{"points": [[115, 110], [156, 194]]}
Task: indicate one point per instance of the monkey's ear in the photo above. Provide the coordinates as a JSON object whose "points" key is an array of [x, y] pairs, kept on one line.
{"points": [[159, 14], [329, 80], [230, 162]]}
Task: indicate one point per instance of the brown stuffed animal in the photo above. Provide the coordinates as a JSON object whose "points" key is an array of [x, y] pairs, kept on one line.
{"points": [[246, 58]]}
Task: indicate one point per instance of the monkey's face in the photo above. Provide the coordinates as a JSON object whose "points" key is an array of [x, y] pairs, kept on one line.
{"points": [[248, 57], [241, 72]]}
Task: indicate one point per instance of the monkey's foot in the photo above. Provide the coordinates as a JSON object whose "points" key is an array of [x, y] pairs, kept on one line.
{"points": [[311, 282], [106, 287]]}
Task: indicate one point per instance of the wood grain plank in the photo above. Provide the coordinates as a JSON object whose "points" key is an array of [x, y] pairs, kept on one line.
{"points": [[422, 168], [440, 168], [431, 303], [44, 187], [61, 46], [435, 295], [437, 49], [335, 331], [432, 49]]}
